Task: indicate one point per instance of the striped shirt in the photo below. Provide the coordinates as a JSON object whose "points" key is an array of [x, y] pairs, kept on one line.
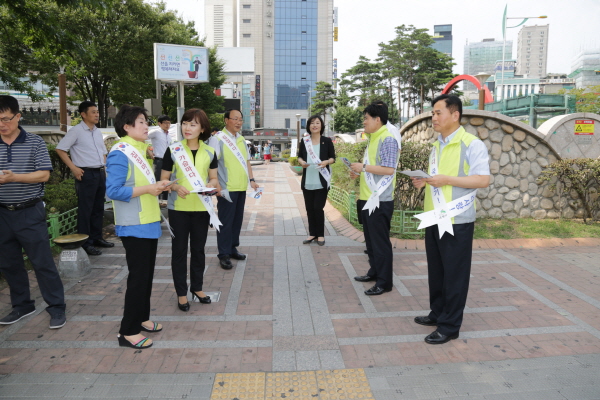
{"points": [[27, 154]]}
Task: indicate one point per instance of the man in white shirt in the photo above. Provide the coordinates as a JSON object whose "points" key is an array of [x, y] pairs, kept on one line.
{"points": [[161, 140], [87, 159]]}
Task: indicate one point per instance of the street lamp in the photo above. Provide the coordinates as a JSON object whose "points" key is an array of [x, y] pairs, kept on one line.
{"points": [[504, 27], [482, 77]]}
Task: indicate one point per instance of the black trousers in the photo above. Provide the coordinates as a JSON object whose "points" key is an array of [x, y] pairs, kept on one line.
{"points": [[192, 225], [27, 229], [314, 200], [376, 228], [90, 202], [449, 269], [231, 216], [158, 162], [141, 257]]}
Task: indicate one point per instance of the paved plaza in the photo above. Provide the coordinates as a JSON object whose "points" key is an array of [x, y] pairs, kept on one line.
{"points": [[290, 322]]}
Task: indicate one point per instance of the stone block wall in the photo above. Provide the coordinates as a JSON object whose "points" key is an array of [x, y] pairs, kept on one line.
{"points": [[518, 154]]}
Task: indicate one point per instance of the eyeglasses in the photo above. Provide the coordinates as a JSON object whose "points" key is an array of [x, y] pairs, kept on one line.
{"points": [[237, 119], [6, 120]]}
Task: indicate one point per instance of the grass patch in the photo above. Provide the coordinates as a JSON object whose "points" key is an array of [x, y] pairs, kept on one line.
{"points": [[526, 228]]}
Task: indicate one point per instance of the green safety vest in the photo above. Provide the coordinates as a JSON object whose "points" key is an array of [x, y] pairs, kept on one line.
{"points": [[453, 162], [192, 201], [139, 210], [232, 176], [375, 141]]}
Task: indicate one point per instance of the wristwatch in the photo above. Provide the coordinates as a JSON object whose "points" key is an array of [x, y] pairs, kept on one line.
{"points": [[364, 168], [252, 180]]}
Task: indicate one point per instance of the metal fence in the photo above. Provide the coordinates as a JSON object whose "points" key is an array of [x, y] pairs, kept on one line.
{"points": [[62, 224], [403, 222]]}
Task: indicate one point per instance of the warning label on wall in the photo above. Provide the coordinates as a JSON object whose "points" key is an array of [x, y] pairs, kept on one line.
{"points": [[584, 127]]}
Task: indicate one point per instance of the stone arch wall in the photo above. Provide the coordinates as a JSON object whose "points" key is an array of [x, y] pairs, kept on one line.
{"points": [[518, 154]]}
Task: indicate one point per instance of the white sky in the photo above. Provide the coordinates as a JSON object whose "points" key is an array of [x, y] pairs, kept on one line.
{"points": [[363, 24]]}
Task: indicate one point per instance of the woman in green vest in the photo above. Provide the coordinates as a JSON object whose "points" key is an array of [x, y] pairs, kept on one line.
{"points": [[186, 161], [131, 184]]}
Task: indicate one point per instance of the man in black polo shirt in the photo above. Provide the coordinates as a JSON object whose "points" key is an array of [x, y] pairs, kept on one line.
{"points": [[25, 166], [87, 161]]}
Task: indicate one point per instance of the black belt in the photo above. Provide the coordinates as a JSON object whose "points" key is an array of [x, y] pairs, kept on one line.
{"points": [[158, 158], [20, 206], [92, 169]]}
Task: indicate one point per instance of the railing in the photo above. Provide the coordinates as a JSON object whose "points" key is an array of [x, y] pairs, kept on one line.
{"points": [[62, 224], [403, 222]]}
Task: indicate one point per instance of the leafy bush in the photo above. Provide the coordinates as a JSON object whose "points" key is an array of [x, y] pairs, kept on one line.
{"points": [[286, 153], [61, 196], [579, 175], [61, 171], [294, 161]]}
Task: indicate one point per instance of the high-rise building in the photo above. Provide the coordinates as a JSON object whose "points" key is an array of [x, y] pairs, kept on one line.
{"points": [[442, 39], [293, 41], [532, 51], [586, 69], [220, 23], [482, 57]]}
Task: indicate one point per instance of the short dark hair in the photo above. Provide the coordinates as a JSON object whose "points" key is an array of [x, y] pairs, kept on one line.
{"points": [[377, 109], [126, 116], [229, 111], [9, 103], [83, 107], [163, 118], [453, 103], [196, 114], [310, 120]]}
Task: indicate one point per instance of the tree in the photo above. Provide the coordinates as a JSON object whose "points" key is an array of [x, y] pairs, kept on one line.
{"points": [[366, 79], [346, 119], [587, 99], [323, 99], [36, 21], [116, 65]]}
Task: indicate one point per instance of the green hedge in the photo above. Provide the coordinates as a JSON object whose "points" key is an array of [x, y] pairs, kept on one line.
{"points": [[60, 196]]}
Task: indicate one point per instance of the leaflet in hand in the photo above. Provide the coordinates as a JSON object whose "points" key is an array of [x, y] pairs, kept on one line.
{"points": [[416, 174], [347, 162], [207, 191], [256, 194]]}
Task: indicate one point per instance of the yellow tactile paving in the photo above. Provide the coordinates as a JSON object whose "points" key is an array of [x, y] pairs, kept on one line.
{"points": [[342, 384], [249, 386]]}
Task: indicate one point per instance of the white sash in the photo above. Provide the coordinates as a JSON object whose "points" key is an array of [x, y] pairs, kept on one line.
{"points": [[443, 212], [142, 165], [193, 177], [138, 160], [316, 160], [222, 136], [376, 189]]}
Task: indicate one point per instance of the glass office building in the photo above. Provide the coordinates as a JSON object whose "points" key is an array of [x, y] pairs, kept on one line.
{"points": [[295, 53], [442, 39]]}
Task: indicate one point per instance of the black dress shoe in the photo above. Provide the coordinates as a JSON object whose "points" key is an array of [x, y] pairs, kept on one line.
{"points": [[103, 243], [203, 300], [439, 338], [309, 241], [238, 256], [376, 291], [225, 263], [425, 321], [364, 278], [366, 252], [183, 307], [92, 251]]}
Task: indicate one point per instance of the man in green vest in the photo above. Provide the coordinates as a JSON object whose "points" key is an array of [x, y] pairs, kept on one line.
{"points": [[458, 164], [376, 202]]}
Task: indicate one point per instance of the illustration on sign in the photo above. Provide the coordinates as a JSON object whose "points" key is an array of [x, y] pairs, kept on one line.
{"points": [[180, 63]]}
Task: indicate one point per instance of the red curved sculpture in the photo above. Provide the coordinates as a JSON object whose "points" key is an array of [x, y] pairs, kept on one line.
{"points": [[474, 81]]}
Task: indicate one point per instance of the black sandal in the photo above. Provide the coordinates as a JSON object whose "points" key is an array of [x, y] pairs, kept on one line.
{"points": [[139, 345], [153, 330]]}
